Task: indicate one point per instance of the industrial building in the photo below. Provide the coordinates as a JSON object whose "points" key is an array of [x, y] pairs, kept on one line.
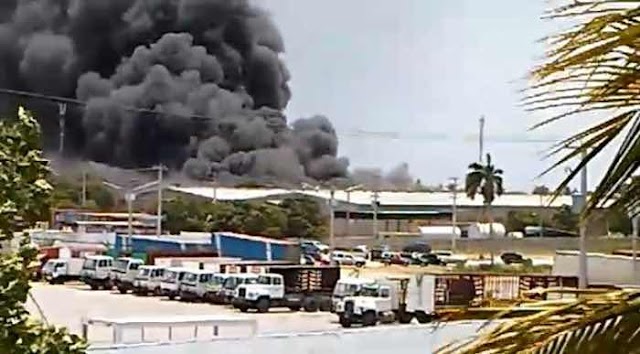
{"points": [[402, 212]]}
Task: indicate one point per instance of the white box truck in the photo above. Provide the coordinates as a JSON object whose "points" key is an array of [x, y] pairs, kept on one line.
{"points": [[390, 300], [59, 270]]}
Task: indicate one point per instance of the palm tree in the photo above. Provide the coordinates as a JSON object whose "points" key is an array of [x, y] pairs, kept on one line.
{"points": [[485, 180], [599, 324], [594, 67]]}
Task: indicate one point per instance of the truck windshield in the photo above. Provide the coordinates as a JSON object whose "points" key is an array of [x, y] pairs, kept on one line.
{"points": [[144, 273], [217, 280], [372, 291], [89, 264], [49, 266], [190, 278], [345, 289], [121, 266], [170, 276]]}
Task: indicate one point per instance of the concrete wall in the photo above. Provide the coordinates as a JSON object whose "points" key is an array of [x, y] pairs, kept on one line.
{"points": [[601, 269], [380, 340]]}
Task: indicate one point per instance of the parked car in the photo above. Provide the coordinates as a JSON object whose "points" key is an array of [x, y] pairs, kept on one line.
{"points": [[512, 258], [313, 243], [346, 258], [449, 257], [394, 258], [427, 259]]}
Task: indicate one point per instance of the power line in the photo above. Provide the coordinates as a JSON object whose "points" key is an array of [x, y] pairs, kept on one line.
{"points": [[77, 102]]}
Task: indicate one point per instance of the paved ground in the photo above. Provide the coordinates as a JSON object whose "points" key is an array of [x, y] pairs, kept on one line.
{"points": [[67, 304]]}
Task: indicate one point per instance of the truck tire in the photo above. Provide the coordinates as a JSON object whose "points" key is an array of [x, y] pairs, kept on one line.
{"points": [[94, 286], [122, 290], [423, 317], [404, 317], [345, 322], [262, 305], [172, 296], [369, 319], [310, 305], [294, 308]]}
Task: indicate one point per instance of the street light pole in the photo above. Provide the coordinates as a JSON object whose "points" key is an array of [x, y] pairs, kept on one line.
{"points": [[332, 244], [375, 216], [130, 197], [635, 223], [159, 221], [454, 213], [62, 112], [583, 270]]}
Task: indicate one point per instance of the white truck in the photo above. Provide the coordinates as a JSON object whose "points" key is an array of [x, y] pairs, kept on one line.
{"points": [[96, 272], [148, 280], [347, 286], [124, 273], [293, 287], [228, 290], [192, 286], [213, 287], [170, 284], [387, 301], [59, 270]]}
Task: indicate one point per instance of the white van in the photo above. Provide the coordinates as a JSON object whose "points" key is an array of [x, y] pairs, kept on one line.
{"points": [[148, 280], [192, 286], [96, 272]]}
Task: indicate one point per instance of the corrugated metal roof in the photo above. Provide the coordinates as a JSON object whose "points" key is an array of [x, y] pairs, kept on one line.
{"points": [[433, 199], [255, 238]]}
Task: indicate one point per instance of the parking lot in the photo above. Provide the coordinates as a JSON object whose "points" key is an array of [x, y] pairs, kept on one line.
{"points": [[67, 304]]}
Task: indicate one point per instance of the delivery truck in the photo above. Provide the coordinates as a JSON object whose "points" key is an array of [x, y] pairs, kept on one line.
{"points": [[60, 270], [294, 287], [389, 300]]}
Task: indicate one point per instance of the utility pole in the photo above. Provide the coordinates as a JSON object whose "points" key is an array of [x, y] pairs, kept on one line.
{"points": [[84, 188], [481, 140], [159, 221], [454, 213], [374, 204], [62, 111], [348, 213], [130, 196], [332, 241], [635, 224], [583, 282]]}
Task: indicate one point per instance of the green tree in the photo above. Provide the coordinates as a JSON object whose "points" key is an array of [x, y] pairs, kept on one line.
{"points": [[24, 199], [305, 218], [541, 190], [517, 220], [565, 219], [619, 221], [485, 180]]}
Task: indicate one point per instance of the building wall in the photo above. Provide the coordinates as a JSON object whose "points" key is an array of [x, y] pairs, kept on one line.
{"points": [[597, 225]]}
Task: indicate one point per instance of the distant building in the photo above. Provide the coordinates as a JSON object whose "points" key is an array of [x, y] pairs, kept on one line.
{"points": [[82, 221]]}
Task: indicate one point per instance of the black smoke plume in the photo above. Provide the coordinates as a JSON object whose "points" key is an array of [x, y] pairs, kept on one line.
{"points": [[219, 60]]}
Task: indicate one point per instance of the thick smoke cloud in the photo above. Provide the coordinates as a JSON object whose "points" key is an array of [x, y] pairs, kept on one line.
{"points": [[397, 178], [216, 59]]}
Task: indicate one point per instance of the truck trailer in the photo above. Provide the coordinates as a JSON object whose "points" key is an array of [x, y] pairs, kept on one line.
{"points": [[294, 287]]}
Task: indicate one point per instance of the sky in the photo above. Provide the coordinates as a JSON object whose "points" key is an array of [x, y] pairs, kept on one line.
{"points": [[425, 71]]}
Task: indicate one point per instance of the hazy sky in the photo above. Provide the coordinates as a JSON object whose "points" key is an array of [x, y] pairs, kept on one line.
{"points": [[426, 70]]}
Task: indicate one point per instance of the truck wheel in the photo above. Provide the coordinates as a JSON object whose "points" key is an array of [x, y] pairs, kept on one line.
{"points": [[244, 308], [263, 305], [404, 317], [423, 317], [172, 297], [94, 286], [311, 305], [345, 322], [369, 319], [122, 290], [294, 308]]}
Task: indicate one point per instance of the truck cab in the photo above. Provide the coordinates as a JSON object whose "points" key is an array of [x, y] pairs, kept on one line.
{"points": [[261, 293], [347, 287], [213, 287], [124, 272], [170, 284], [374, 301], [193, 284], [148, 279], [227, 293], [96, 272]]}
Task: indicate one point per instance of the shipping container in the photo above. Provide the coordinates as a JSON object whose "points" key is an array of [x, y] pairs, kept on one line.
{"points": [[255, 248]]}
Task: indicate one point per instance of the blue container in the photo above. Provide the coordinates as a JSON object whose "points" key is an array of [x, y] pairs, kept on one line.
{"points": [[145, 244], [254, 248]]}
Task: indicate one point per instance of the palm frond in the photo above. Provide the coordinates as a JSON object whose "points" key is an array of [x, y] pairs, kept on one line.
{"points": [[601, 324], [594, 66]]}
